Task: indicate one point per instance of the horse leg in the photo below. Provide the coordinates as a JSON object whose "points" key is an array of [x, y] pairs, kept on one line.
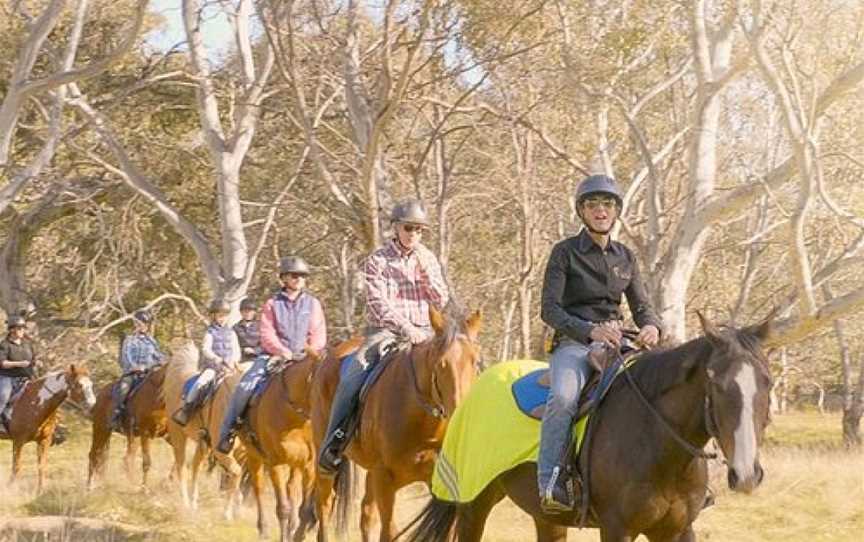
{"points": [[99, 445], [145, 460], [614, 533], [368, 511], [307, 508], [200, 452], [384, 491], [16, 460], [472, 519], [256, 480], [549, 532], [295, 498], [131, 452], [324, 505], [178, 445], [663, 536], [41, 461], [283, 507]]}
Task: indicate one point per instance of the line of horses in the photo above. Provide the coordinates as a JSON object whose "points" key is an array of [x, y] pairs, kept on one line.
{"points": [[643, 480]]}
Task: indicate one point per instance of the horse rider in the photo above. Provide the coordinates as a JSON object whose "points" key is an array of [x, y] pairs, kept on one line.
{"points": [[292, 323], [17, 361], [584, 279], [220, 355], [138, 354], [247, 330], [402, 279]]}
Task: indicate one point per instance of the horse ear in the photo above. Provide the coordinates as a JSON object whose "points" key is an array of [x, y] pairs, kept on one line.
{"points": [[73, 370], [436, 319], [473, 324], [710, 330], [764, 330]]}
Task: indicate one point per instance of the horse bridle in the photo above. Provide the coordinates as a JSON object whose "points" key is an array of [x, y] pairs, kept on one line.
{"points": [[710, 422], [433, 408]]}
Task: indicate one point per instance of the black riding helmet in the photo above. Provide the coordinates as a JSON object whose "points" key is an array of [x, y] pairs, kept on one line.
{"points": [[248, 305], [219, 306], [293, 264], [16, 321], [599, 185], [143, 315]]}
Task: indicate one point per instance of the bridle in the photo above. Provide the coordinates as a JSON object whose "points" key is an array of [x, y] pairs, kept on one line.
{"points": [[433, 406]]}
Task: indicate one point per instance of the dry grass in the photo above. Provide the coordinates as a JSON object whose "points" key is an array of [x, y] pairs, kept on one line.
{"points": [[814, 491]]}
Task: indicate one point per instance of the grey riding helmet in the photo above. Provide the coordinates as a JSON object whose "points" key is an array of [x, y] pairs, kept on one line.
{"points": [[411, 212], [599, 185], [293, 264]]}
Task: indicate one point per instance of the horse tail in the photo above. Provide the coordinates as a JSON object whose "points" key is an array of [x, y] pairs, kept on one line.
{"points": [[435, 522], [344, 489]]}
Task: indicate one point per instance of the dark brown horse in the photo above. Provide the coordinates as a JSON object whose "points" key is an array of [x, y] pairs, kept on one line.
{"points": [[643, 480], [278, 439], [34, 414], [403, 420], [146, 420]]}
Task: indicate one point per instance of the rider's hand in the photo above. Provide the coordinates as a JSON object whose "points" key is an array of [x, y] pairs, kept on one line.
{"points": [[414, 334], [606, 333], [649, 336], [249, 351]]}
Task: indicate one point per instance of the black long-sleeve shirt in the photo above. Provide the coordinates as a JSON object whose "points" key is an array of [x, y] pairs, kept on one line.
{"points": [[10, 351], [583, 286]]}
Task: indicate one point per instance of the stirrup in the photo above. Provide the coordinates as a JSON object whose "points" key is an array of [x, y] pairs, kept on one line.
{"points": [[557, 498]]}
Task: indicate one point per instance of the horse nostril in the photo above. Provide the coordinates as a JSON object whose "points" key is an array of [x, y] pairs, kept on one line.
{"points": [[732, 478], [760, 474]]}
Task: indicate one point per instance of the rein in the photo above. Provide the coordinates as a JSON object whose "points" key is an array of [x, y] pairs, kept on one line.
{"points": [[436, 411], [709, 415]]}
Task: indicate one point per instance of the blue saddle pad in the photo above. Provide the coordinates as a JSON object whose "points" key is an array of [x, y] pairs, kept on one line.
{"points": [[187, 386], [529, 393]]}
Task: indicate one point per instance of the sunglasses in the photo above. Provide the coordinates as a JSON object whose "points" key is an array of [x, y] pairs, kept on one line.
{"points": [[596, 203], [290, 276], [411, 228]]}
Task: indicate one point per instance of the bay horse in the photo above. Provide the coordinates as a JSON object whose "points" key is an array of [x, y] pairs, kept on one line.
{"points": [[203, 428], [277, 437], [403, 420], [145, 420], [34, 413], [648, 473]]}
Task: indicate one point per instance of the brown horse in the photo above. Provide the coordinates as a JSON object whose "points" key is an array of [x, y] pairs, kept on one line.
{"points": [[403, 420], [278, 438], [203, 428], [146, 420], [648, 473], [34, 414]]}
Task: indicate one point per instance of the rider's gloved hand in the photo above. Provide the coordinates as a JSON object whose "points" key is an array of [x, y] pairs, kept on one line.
{"points": [[414, 334]]}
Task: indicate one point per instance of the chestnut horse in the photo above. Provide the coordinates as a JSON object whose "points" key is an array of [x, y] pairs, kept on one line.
{"points": [[34, 413], [403, 420], [203, 427], [145, 420], [278, 437], [648, 473]]}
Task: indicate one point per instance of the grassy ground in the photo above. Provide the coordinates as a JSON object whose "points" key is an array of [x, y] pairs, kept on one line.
{"points": [[813, 491]]}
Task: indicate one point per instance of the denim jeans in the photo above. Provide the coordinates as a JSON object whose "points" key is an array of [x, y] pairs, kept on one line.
{"points": [[7, 384], [569, 371], [203, 380], [241, 395]]}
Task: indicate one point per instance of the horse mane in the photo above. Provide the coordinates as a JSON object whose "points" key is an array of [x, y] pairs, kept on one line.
{"points": [[657, 371]]}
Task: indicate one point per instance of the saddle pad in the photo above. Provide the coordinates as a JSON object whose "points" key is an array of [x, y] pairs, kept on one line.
{"points": [[187, 386], [530, 393], [487, 435]]}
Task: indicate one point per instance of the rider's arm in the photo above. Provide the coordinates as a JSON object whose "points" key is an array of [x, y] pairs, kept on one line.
{"points": [[431, 279], [269, 338], [637, 298], [207, 354], [551, 310], [317, 336], [377, 301]]}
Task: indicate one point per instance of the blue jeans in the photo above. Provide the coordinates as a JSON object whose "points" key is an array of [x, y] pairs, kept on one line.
{"points": [[241, 396], [7, 383], [569, 371]]}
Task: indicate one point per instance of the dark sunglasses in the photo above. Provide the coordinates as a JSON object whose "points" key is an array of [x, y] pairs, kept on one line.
{"points": [[596, 203], [290, 276], [411, 228]]}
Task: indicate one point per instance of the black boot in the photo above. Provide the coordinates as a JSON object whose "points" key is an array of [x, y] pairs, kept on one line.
{"points": [[227, 444], [561, 494], [182, 415]]}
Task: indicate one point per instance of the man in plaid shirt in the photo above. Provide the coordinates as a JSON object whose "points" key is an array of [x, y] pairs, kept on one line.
{"points": [[402, 279], [138, 354]]}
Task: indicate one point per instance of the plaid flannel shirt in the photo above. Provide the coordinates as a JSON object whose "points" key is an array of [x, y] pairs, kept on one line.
{"points": [[139, 352], [400, 286]]}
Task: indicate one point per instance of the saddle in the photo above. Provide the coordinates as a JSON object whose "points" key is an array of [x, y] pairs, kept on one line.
{"points": [[18, 387], [206, 393]]}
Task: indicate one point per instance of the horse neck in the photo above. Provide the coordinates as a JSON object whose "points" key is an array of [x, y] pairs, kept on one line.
{"points": [[47, 398], [683, 407]]}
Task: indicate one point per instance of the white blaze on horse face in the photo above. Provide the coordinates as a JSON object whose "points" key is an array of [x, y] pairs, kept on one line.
{"points": [[744, 454], [54, 383], [87, 386]]}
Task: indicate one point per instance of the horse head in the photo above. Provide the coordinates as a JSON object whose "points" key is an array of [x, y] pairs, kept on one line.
{"points": [[80, 386], [453, 358], [738, 398]]}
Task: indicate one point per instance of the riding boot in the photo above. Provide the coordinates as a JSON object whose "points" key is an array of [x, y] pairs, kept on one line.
{"points": [[562, 493], [226, 443], [339, 429], [181, 415], [116, 423]]}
